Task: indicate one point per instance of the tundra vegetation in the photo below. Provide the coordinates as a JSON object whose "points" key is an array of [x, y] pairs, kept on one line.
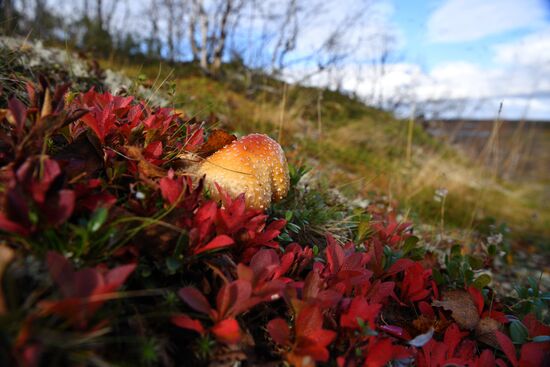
{"points": [[390, 247]]}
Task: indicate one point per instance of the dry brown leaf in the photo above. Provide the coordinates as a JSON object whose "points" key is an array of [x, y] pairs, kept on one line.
{"points": [[47, 105], [216, 140], [145, 167], [6, 256], [232, 355], [462, 306], [485, 331], [423, 323]]}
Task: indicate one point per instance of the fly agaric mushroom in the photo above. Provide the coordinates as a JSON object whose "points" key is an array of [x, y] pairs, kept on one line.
{"points": [[254, 165]]}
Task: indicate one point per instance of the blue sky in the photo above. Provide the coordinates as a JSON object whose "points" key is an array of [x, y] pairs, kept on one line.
{"points": [[413, 21], [498, 50]]}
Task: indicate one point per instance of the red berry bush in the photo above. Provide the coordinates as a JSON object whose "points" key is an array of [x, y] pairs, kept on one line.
{"points": [[119, 257]]}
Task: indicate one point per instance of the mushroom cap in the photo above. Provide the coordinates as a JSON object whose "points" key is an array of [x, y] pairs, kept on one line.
{"points": [[254, 165]]}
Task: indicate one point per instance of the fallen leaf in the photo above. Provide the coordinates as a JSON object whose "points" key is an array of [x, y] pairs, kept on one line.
{"points": [[485, 331], [145, 167], [462, 306], [216, 140]]}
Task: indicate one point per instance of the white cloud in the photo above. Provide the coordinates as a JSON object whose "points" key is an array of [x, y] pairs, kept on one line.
{"points": [[470, 20], [519, 77], [532, 50]]}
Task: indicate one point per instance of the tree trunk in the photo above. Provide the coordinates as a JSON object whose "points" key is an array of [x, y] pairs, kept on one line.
{"points": [[220, 41], [7, 21], [99, 13], [203, 19]]}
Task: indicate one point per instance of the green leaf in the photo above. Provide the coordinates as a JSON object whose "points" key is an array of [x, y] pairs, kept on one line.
{"points": [[288, 215], [534, 285], [468, 276], [454, 269], [438, 277], [518, 332], [172, 264], [315, 250], [410, 244], [475, 262], [293, 227], [541, 339], [361, 323], [456, 251], [98, 219], [545, 296], [482, 281], [418, 254]]}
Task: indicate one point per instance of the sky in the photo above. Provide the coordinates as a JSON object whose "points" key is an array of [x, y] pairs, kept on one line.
{"points": [[451, 58], [481, 52]]}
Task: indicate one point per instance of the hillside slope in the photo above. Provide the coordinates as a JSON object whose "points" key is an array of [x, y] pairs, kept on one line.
{"points": [[357, 149]]}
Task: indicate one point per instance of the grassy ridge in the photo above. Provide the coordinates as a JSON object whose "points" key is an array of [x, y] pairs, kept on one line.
{"points": [[356, 148]]}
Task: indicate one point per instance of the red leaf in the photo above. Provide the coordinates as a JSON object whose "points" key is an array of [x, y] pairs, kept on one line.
{"points": [[452, 338], [86, 282], [232, 298], [399, 266], [426, 309], [477, 297], [264, 261], [59, 207], [19, 113], [194, 138], [335, 257], [507, 347], [486, 359], [217, 243], [10, 226], [195, 299], [379, 353], [233, 215], [360, 309], [170, 188], [116, 277], [36, 185], [309, 321], [535, 327], [227, 331], [315, 345], [496, 315], [380, 291], [279, 331], [153, 150], [61, 271], [534, 354], [185, 322]]}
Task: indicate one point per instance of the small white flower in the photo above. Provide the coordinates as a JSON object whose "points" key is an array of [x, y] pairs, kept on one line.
{"points": [[495, 239], [440, 194], [140, 195]]}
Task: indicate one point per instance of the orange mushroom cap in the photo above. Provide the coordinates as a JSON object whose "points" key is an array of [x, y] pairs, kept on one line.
{"points": [[254, 165]]}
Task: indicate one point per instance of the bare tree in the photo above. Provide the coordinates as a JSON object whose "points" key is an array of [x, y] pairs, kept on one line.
{"points": [[287, 37], [209, 28], [7, 11]]}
